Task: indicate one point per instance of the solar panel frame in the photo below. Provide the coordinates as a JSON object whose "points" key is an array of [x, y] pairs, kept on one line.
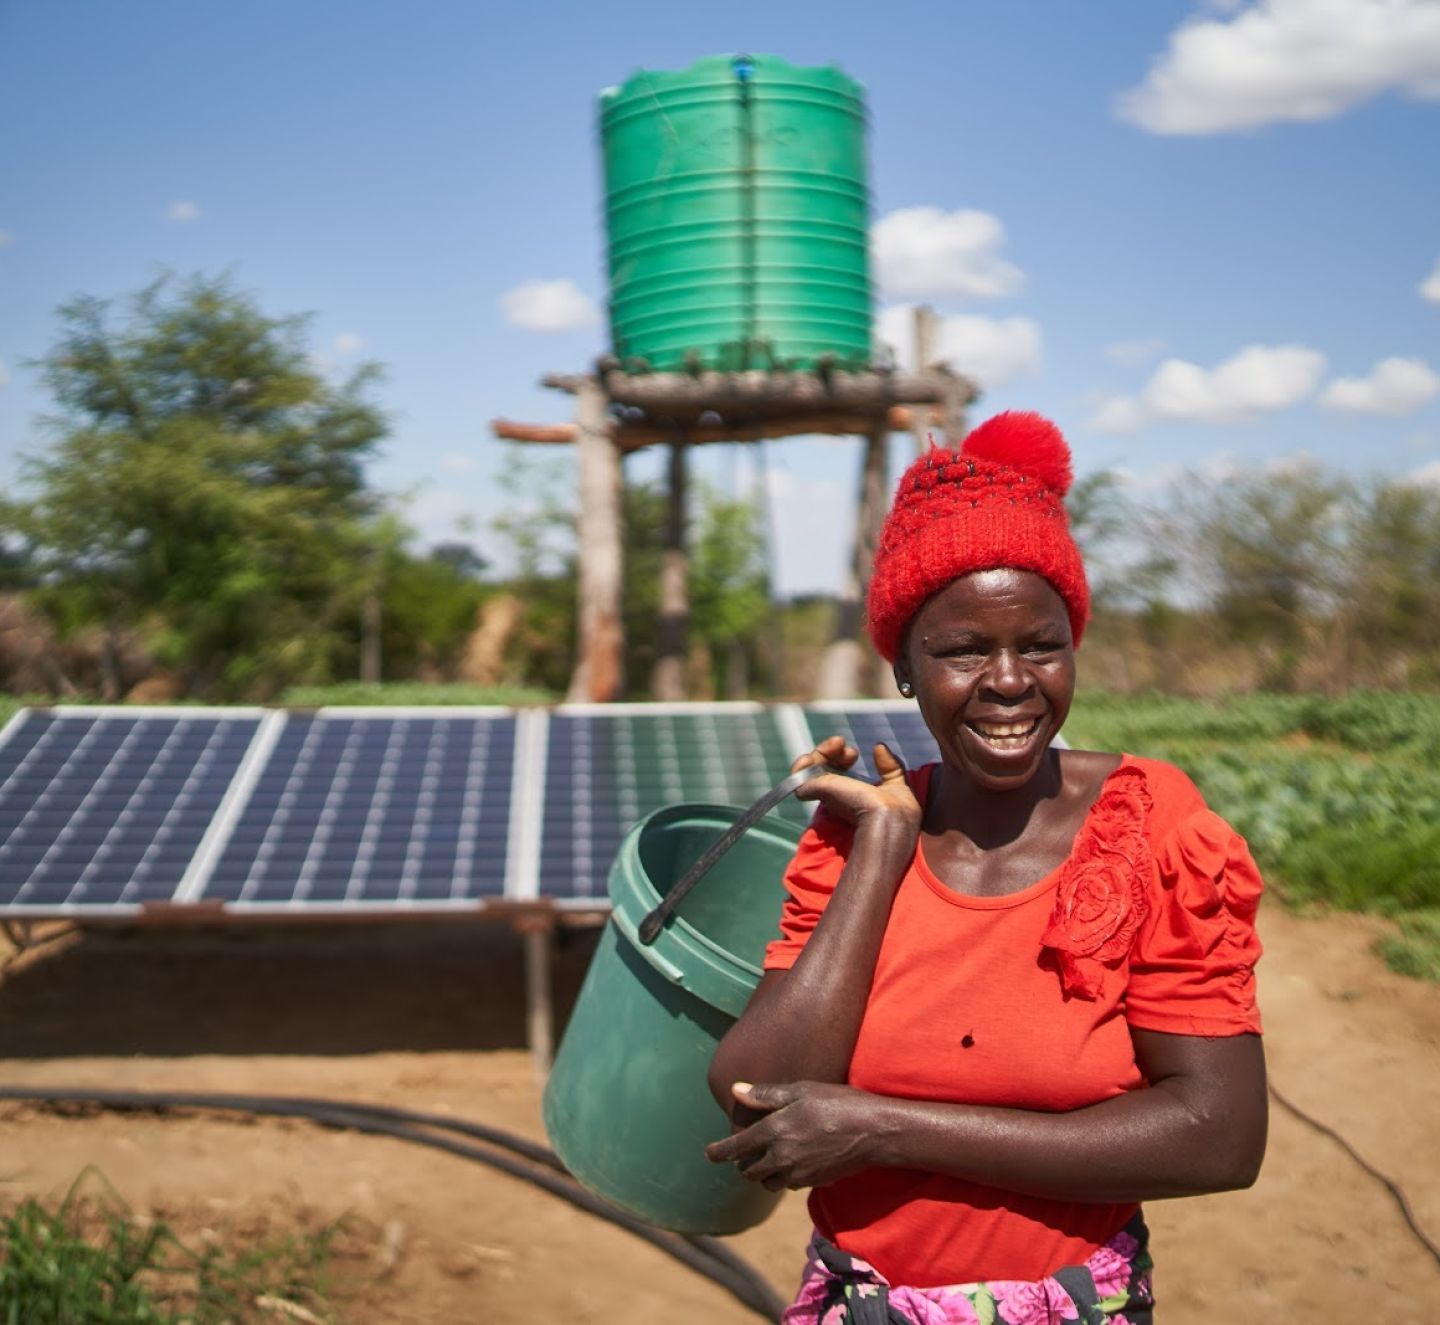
{"points": [[863, 723], [140, 826], [633, 797], [527, 806], [271, 897]]}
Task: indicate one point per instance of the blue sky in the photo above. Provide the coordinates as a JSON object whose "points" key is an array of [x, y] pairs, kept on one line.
{"points": [[1198, 235]]}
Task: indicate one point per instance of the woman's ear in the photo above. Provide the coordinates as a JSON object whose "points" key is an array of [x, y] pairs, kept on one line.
{"points": [[902, 681]]}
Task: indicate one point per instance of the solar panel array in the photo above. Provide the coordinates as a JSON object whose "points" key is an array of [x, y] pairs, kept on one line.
{"points": [[103, 811], [866, 725], [374, 809], [608, 767], [109, 811]]}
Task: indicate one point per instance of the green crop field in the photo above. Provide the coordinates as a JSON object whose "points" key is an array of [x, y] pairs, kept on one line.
{"points": [[1339, 798]]}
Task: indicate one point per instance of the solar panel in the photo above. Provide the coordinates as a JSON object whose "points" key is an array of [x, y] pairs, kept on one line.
{"points": [[864, 724], [608, 765], [354, 808], [102, 810]]}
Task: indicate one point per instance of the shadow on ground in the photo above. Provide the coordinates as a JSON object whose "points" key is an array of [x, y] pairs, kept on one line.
{"points": [[275, 989]]}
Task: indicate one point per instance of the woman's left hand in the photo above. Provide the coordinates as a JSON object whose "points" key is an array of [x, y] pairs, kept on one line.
{"points": [[812, 1132]]}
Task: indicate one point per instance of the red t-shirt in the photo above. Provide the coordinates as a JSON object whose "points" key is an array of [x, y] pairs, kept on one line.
{"points": [[1026, 1001]]}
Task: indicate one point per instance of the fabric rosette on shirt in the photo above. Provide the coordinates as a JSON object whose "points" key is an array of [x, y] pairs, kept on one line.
{"points": [[1100, 900]]}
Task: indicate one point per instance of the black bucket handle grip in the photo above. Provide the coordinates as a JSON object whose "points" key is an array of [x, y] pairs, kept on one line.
{"points": [[653, 923]]}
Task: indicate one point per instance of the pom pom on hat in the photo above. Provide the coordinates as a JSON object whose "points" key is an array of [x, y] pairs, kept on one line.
{"points": [[995, 503], [1025, 441]]}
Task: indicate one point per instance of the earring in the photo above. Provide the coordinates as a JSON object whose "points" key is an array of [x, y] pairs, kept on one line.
{"points": [[907, 691]]}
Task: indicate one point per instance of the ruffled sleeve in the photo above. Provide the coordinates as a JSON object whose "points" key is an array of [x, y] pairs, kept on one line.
{"points": [[1192, 971], [810, 880]]}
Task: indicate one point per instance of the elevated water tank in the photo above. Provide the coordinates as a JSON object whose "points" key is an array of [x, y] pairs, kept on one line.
{"points": [[737, 211]]}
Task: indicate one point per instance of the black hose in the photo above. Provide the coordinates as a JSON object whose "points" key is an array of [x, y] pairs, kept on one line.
{"points": [[1397, 1192], [540, 1166]]}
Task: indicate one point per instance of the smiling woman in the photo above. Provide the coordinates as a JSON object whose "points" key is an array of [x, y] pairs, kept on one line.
{"points": [[1013, 992]]}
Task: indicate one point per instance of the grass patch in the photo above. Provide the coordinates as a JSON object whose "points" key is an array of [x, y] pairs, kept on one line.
{"points": [[90, 1261], [411, 693], [1414, 949]]}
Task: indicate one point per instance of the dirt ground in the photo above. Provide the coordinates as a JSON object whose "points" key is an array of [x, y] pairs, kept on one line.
{"points": [[432, 1018]]}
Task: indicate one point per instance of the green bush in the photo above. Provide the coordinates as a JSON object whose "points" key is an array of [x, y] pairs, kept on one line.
{"points": [[90, 1261], [1414, 949]]}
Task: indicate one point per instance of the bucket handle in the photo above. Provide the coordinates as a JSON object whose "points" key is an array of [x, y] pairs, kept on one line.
{"points": [[651, 926]]}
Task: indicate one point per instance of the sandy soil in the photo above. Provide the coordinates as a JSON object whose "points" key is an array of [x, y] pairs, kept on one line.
{"points": [[432, 1018]]}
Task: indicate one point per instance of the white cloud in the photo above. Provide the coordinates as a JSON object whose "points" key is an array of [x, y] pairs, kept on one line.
{"points": [[991, 350], [1430, 286], [349, 342], [1426, 476], [183, 211], [7, 237], [1134, 351], [1257, 380], [1395, 386], [1217, 467], [1117, 414], [926, 253], [457, 462], [1287, 61], [549, 306], [4, 374], [440, 512]]}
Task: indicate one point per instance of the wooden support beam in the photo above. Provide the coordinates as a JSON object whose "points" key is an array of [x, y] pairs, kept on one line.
{"points": [[843, 667], [510, 431], [599, 664], [763, 393], [633, 436], [669, 683], [927, 337]]}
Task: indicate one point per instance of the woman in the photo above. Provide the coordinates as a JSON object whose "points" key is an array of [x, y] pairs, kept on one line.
{"points": [[1013, 995]]}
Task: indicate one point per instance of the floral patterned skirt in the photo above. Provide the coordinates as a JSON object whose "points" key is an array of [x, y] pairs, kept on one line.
{"points": [[1112, 1286]]}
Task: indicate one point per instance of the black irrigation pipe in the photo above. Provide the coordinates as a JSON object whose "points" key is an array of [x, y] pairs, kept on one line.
{"points": [[706, 1256], [1396, 1191], [539, 1165]]}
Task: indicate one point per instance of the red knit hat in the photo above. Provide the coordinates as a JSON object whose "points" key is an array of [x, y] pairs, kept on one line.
{"points": [[994, 503]]}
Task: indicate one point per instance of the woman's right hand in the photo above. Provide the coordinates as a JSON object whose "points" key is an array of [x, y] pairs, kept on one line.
{"points": [[889, 801]]}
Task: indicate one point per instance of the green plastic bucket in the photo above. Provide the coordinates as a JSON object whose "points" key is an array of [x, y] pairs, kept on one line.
{"points": [[627, 1107]]}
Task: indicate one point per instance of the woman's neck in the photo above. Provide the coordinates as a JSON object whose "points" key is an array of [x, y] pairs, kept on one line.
{"points": [[990, 818]]}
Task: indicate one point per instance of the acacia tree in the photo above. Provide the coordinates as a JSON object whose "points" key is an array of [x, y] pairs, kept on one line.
{"points": [[1393, 595], [203, 486]]}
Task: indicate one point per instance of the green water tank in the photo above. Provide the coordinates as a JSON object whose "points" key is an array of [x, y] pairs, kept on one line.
{"points": [[737, 212]]}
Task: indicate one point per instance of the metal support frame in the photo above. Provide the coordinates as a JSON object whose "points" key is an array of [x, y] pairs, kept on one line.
{"points": [[538, 933]]}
